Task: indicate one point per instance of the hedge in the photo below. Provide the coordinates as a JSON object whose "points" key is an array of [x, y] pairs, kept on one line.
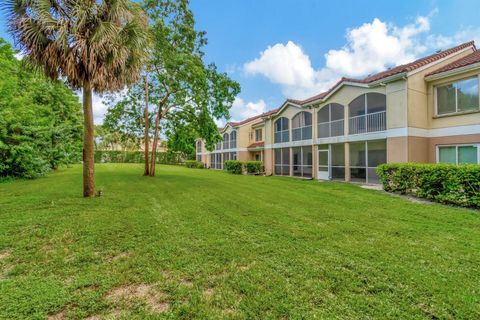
{"points": [[194, 164], [108, 156], [239, 167], [253, 167], [234, 166], [444, 183]]}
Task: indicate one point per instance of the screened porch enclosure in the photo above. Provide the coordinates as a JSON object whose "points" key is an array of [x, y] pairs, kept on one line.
{"points": [[331, 161], [365, 156], [282, 161], [302, 161], [216, 161]]}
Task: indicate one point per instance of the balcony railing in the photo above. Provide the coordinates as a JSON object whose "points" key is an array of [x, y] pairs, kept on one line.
{"points": [[370, 122], [331, 129], [302, 133]]}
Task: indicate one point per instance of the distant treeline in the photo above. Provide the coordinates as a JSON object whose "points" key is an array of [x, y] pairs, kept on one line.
{"points": [[136, 157]]}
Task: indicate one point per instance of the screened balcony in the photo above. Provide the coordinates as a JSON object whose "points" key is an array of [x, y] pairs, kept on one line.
{"points": [[330, 121], [367, 113], [302, 126]]}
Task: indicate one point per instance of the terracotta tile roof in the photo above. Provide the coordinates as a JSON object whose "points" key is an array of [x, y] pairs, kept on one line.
{"points": [[255, 117], [390, 72], [256, 145], [465, 61]]}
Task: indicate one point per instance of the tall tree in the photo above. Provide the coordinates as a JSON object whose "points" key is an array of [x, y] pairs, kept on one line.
{"points": [[180, 81], [95, 45]]}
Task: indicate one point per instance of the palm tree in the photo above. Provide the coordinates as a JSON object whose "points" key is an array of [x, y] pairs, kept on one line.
{"points": [[94, 45]]}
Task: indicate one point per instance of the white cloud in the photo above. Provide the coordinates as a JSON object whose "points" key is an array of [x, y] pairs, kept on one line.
{"points": [[370, 48], [374, 46], [283, 64], [241, 110], [463, 35]]}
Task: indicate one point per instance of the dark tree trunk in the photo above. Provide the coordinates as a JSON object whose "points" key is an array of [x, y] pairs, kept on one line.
{"points": [[88, 143], [146, 172]]}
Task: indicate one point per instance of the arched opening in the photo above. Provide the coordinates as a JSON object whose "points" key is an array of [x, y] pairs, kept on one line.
{"points": [[281, 130], [233, 139], [302, 126], [226, 141], [367, 113]]}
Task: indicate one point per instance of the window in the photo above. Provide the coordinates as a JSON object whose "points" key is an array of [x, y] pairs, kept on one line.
{"points": [[459, 154], [199, 146], [330, 121], [367, 113], [282, 161], [302, 126], [457, 97], [302, 161], [226, 141], [233, 140], [281, 130], [229, 156], [364, 158], [199, 158], [218, 145], [218, 161], [258, 135]]}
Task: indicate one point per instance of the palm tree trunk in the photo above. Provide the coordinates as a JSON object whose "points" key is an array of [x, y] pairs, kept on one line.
{"points": [[155, 142], [146, 172], [88, 143]]}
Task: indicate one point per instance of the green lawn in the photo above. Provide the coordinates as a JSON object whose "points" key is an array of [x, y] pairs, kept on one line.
{"points": [[204, 244]]}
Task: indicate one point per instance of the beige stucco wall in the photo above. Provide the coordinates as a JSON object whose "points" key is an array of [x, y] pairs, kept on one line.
{"points": [[268, 161], [419, 116], [396, 93], [397, 149], [418, 149]]}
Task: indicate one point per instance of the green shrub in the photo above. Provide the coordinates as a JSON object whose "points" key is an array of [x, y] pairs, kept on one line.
{"points": [[40, 121], [253, 167], [234, 166], [108, 156], [194, 164], [444, 183]]}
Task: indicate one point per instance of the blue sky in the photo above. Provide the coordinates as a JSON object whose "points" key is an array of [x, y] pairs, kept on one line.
{"points": [[279, 49]]}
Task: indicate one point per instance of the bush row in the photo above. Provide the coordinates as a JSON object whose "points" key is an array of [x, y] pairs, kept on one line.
{"points": [[102, 156], [239, 167], [444, 183], [194, 164]]}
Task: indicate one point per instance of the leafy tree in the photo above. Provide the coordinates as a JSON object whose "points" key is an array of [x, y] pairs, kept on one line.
{"points": [[125, 118], [180, 84], [40, 121], [94, 45]]}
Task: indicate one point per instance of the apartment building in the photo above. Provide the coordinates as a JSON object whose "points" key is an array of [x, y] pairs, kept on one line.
{"points": [[426, 111]]}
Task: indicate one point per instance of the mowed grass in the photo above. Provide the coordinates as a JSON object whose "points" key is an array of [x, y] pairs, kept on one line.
{"points": [[208, 245]]}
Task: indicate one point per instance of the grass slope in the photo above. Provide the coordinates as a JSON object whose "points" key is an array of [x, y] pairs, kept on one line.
{"points": [[205, 244]]}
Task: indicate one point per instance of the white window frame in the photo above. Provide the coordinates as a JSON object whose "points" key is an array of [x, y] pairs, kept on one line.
{"points": [[437, 151], [435, 97], [261, 134]]}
